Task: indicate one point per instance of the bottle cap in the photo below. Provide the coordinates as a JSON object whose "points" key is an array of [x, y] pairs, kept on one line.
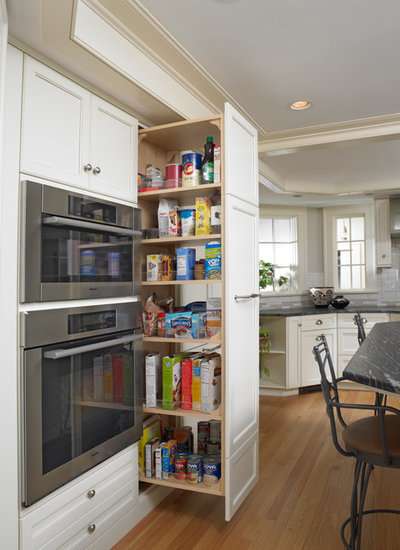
{"points": [[209, 139]]}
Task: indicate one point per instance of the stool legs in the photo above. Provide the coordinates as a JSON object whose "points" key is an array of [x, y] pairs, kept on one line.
{"points": [[362, 473]]}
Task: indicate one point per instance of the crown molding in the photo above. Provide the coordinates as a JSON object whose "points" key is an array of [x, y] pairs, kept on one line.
{"points": [[332, 133]]}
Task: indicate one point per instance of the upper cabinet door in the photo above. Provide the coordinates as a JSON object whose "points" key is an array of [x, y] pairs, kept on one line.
{"points": [[113, 151], [55, 126], [241, 157]]}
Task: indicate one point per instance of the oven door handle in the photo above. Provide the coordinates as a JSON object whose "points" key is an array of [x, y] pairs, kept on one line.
{"points": [[81, 224], [60, 353]]}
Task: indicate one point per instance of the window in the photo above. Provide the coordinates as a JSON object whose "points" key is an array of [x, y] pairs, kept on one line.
{"points": [[279, 246], [348, 247], [350, 250]]}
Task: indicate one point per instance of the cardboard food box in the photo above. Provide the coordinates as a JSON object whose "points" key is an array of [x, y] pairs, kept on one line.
{"points": [[214, 317], [210, 382], [151, 428], [153, 266], [172, 381], [153, 378], [178, 325], [213, 261], [196, 383], [185, 260], [168, 451], [149, 452], [203, 216]]}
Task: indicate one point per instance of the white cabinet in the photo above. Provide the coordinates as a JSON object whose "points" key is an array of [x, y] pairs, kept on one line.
{"points": [[347, 335], [383, 241], [73, 137], [79, 514], [309, 368]]}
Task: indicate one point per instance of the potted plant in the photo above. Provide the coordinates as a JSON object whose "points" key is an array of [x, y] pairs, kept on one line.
{"points": [[267, 275], [264, 347]]}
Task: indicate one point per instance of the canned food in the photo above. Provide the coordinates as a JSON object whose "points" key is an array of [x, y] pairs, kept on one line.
{"points": [[203, 431], [211, 469], [168, 434], [190, 437], [194, 469], [191, 173], [180, 465], [215, 430], [213, 447]]}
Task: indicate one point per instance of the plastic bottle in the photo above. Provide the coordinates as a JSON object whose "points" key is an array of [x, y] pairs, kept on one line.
{"points": [[207, 164]]}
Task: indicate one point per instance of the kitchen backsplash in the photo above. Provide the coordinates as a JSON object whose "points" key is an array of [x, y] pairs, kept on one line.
{"points": [[387, 282]]}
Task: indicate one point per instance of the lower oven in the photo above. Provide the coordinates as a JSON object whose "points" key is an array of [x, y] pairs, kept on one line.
{"points": [[81, 391]]}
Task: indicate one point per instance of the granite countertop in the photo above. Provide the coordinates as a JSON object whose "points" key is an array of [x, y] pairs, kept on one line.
{"points": [[312, 310], [376, 363]]}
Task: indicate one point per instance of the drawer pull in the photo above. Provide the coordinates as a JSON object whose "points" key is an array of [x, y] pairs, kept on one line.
{"points": [[91, 493], [300, 325], [318, 322], [364, 320], [318, 338], [91, 528]]}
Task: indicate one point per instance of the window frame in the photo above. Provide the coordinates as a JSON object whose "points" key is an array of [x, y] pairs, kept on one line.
{"points": [[301, 215], [330, 216]]}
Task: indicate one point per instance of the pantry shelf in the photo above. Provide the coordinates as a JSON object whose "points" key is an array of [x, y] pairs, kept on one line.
{"points": [[214, 415], [195, 341], [176, 484], [105, 405], [192, 282], [176, 240], [178, 192]]}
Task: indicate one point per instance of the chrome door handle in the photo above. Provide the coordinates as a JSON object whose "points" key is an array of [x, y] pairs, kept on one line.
{"points": [[91, 493], [87, 167], [96, 170], [60, 353], [91, 528], [247, 296], [81, 224]]}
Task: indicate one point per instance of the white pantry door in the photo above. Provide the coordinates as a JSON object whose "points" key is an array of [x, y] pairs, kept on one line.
{"points": [[241, 156], [241, 344]]}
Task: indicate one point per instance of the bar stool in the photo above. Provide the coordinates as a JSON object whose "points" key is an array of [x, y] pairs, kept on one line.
{"points": [[372, 441]]}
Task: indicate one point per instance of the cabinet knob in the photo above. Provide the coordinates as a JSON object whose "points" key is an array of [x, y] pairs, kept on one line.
{"points": [[91, 493], [318, 322], [364, 320], [300, 325], [96, 170], [383, 255], [318, 338], [87, 167], [91, 528]]}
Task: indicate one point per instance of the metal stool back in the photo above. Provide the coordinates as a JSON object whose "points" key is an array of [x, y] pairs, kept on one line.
{"points": [[387, 455], [360, 326]]}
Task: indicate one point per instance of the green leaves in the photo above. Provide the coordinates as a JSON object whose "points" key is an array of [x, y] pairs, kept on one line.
{"points": [[267, 275]]}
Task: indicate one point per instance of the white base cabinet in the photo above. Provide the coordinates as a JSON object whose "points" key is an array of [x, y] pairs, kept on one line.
{"points": [[79, 515], [71, 136]]}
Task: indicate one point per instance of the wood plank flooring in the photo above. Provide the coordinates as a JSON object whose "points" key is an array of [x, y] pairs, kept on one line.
{"points": [[300, 501]]}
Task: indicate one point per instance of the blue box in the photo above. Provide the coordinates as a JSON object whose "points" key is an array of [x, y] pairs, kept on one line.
{"points": [[185, 260], [213, 261]]}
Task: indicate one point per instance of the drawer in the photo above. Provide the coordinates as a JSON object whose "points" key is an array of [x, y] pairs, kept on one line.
{"points": [[318, 322], [347, 319], [73, 506]]}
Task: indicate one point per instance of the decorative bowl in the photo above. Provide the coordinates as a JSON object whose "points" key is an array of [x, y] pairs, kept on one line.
{"points": [[340, 302], [322, 296]]}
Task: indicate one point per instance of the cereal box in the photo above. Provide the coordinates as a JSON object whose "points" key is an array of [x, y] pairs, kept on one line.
{"points": [[203, 216], [153, 378], [196, 383], [210, 382], [185, 260], [153, 266], [149, 452], [187, 380], [151, 428], [168, 450], [213, 261], [217, 164], [199, 322], [172, 381]]}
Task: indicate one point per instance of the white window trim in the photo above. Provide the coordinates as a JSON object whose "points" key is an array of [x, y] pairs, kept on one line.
{"points": [[301, 214], [330, 215]]}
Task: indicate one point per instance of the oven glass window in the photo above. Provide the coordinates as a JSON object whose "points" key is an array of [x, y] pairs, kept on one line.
{"points": [[71, 255], [87, 399]]}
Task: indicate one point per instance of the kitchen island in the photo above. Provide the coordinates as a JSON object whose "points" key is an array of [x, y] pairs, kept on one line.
{"points": [[377, 362]]}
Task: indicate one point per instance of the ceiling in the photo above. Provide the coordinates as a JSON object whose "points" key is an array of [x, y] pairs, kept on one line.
{"points": [[261, 55]]}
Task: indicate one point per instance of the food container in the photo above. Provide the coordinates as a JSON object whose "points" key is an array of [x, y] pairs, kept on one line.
{"points": [[211, 470], [322, 296], [191, 173], [173, 176]]}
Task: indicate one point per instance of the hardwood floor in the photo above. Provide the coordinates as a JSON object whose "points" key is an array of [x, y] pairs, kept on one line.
{"points": [[300, 501]]}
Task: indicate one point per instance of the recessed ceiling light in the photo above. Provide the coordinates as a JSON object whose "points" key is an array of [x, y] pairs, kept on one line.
{"points": [[300, 105]]}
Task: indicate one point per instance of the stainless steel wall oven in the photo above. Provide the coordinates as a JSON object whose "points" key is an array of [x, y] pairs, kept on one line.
{"points": [[76, 246], [81, 391]]}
